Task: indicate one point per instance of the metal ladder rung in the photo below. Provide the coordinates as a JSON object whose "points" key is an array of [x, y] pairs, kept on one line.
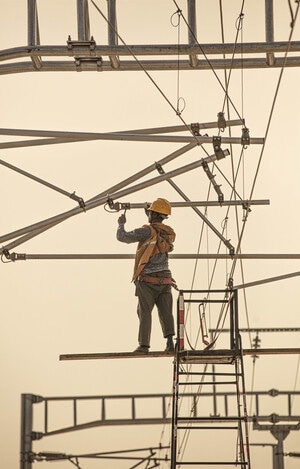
{"points": [[188, 427], [212, 383], [210, 463], [209, 419], [207, 373]]}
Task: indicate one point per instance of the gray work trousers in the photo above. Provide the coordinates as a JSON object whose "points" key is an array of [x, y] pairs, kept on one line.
{"points": [[149, 295]]}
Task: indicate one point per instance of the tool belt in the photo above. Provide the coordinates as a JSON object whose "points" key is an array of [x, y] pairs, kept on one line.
{"points": [[157, 280]]}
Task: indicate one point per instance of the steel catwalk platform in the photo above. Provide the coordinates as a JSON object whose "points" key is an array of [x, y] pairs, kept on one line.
{"points": [[199, 356]]}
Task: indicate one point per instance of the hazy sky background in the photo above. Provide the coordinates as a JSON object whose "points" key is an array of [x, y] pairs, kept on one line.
{"points": [[67, 306]]}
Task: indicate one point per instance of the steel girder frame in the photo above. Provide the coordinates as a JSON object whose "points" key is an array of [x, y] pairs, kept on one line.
{"points": [[114, 192], [28, 401], [102, 199], [85, 55]]}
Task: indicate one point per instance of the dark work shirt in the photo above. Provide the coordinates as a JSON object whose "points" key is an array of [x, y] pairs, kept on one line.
{"points": [[156, 263]]}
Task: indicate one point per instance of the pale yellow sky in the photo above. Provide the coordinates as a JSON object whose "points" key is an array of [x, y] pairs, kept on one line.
{"points": [[68, 306]]}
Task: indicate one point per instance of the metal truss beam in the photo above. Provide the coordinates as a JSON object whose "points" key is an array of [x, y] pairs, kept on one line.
{"points": [[83, 60], [85, 55], [98, 64], [37, 228], [220, 401]]}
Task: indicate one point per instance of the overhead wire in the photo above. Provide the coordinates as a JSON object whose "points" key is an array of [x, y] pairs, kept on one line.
{"points": [[226, 93], [227, 79], [179, 12], [239, 27], [147, 73], [184, 442], [207, 60], [261, 156], [266, 133], [183, 445], [177, 25], [296, 380], [176, 110], [224, 88]]}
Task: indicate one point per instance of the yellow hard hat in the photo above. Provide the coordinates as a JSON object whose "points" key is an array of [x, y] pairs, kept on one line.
{"points": [[161, 206]]}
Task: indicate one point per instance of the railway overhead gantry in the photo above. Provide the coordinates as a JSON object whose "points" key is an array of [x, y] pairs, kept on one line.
{"points": [[85, 53]]}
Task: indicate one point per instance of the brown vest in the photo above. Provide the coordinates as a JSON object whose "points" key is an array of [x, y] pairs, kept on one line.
{"points": [[160, 240]]}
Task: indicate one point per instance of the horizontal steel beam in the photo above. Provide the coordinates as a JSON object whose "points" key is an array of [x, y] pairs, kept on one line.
{"points": [[92, 65], [84, 50], [202, 203], [23, 257], [135, 138], [147, 131], [191, 353]]}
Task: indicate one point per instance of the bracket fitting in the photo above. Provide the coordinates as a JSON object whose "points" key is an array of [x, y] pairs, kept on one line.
{"points": [[245, 140], [96, 62], [211, 177], [217, 148], [195, 128], [17, 257], [79, 200], [221, 121], [159, 168], [230, 283], [83, 46]]}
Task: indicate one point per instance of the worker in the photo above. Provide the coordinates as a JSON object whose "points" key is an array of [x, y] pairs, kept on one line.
{"points": [[152, 277]]}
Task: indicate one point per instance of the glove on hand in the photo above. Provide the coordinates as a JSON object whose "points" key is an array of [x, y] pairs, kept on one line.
{"points": [[122, 219]]}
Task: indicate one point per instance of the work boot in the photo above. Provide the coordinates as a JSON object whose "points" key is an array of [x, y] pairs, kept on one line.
{"points": [[170, 344], [142, 349]]}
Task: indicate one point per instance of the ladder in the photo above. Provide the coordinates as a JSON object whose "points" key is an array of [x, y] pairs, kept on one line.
{"points": [[191, 368]]}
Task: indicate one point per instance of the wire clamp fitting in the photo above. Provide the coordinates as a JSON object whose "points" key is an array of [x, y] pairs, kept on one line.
{"points": [[116, 206], [159, 168], [245, 140], [111, 203], [83, 46], [124, 206], [195, 128], [230, 283], [217, 148], [17, 257], [78, 199], [221, 121], [246, 207], [95, 62], [6, 253]]}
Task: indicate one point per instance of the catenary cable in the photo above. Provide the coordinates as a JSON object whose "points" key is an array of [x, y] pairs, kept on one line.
{"points": [[146, 72], [206, 58], [266, 133], [239, 28]]}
